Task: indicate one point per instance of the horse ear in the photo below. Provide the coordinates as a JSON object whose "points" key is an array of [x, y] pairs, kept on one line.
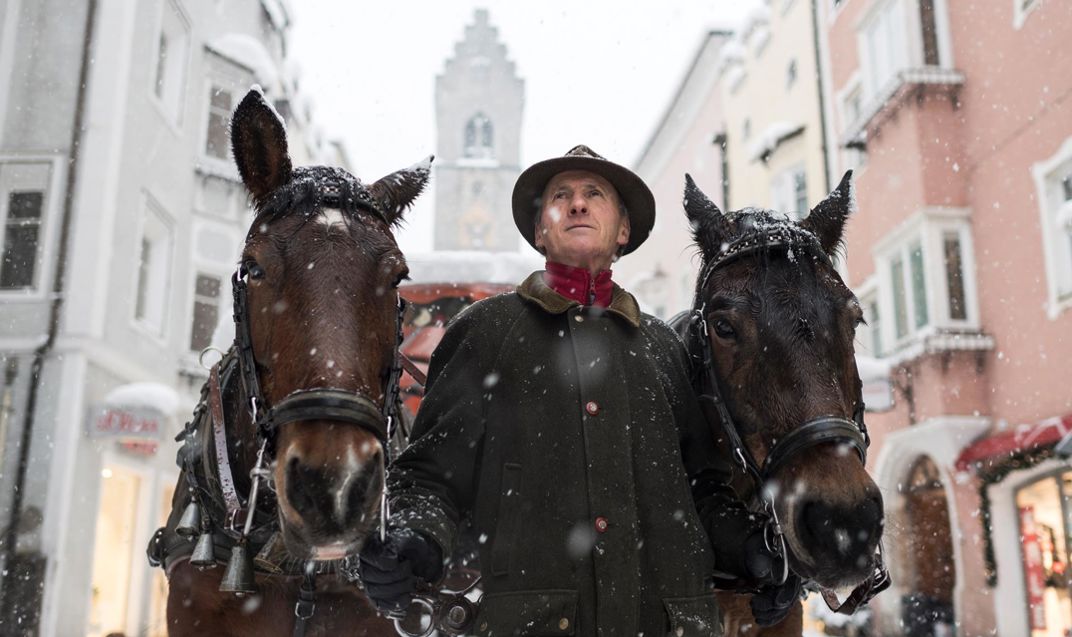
{"points": [[259, 144], [827, 219], [395, 193], [710, 228]]}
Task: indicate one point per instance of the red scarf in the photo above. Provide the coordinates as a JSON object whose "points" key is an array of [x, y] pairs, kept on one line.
{"points": [[579, 285]]}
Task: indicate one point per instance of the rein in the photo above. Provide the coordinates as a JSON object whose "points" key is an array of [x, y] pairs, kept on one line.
{"points": [[818, 431]]}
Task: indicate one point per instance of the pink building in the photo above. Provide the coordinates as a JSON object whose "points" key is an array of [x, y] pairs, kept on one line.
{"points": [[958, 119]]}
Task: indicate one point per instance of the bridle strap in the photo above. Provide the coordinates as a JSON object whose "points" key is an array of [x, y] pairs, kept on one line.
{"points": [[813, 433], [329, 404]]}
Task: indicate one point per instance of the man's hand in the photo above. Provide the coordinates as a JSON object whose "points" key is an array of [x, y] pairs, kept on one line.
{"points": [[758, 559], [772, 603], [391, 569]]}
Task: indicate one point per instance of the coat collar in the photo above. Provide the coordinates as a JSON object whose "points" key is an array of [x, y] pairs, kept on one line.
{"points": [[536, 290]]}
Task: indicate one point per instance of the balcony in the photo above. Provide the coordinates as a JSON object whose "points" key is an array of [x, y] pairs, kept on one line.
{"points": [[903, 86]]}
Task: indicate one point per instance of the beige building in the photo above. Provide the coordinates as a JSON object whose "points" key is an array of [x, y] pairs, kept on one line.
{"points": [[662, 272], [773, 114]]}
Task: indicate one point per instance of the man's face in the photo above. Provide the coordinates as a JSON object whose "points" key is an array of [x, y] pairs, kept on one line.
{"points": [[581, 222]]}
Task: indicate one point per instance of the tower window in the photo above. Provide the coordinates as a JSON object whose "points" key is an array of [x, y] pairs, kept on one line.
{"points": [[479, 137]]}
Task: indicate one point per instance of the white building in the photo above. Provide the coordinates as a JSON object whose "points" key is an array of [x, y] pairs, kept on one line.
{"points": [[122, 218]]}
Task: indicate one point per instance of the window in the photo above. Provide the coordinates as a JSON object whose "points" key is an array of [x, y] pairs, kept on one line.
{"points": [[789, 192], [926, 279], [152, 288], [169, 68], [1053, 183], [954, 275], [479, 137], [884, 44], [1045, 510], [217, 139], [22, 230], [930, 32], [206, 311], [116, 522]]}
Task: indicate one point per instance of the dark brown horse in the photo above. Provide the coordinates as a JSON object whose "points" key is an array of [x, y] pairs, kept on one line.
{"points": [[283, 463], [772, 330]]}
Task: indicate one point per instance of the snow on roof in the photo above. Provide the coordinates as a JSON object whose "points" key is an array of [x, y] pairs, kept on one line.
{"points": [[248, 51], [732, 51], [758, 16], [146, 395], [278, 12], [461, 266], [773, 135]]}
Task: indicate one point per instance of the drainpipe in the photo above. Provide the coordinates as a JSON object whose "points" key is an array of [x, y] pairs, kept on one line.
{"points": [[721, 141], [24, 574], [822, 95]]}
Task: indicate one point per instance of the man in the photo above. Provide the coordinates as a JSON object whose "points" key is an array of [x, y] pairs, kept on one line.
{"points": [[560, 421]]}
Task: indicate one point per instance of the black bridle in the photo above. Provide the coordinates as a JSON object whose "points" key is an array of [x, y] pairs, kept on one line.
{"points": [[317, 403], [815, 432]]}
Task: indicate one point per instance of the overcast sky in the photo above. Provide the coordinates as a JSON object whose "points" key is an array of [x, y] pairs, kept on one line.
{"points": [[596, 72]]}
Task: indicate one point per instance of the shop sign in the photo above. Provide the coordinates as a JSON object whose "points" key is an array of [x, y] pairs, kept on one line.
{"points": [[113, 422], [1034, 571]]}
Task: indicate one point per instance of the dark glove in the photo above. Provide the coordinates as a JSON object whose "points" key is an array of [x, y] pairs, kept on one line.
{"points": [[772, 603], [391, 569], [758, 559]]}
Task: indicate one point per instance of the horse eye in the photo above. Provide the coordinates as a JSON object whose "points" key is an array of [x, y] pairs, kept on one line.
{"points": [[255, 270], [724, 329]]}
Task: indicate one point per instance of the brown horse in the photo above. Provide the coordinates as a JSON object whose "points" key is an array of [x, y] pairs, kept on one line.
{"points": [[300, 403], [772, 331]]}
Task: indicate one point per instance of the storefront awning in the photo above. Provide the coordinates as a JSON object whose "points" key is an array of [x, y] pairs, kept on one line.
{"points": [[1016, 438]]}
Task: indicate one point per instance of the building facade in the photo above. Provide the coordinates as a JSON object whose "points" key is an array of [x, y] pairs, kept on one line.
{"points": [[957, 119], [479, 101], [123, 217], [688, 139], [774, 122]]}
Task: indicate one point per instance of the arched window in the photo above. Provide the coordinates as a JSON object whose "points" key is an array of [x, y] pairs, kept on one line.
{"points": [[479, 137]]}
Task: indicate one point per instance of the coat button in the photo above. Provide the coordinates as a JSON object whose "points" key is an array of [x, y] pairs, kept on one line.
{"points": [[602, 524], [592, 407], [563, 624]]}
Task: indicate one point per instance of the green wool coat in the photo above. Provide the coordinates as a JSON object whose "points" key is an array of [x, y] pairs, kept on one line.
{"points": [[571, 439]]}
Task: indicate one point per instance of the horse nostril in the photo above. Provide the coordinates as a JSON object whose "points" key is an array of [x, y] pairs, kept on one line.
{"points": [[842, 531], [308, 488]]}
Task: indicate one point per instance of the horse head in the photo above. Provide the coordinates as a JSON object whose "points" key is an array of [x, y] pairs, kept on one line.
{"points": [[321, 267], [780, 323]]}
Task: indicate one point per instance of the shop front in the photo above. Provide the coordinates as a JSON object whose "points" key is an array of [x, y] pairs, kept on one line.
{"points": [[134, 486], [1026, 506]]}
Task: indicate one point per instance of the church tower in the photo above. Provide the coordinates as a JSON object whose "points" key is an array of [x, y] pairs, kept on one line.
{"points": [[479, 100]]}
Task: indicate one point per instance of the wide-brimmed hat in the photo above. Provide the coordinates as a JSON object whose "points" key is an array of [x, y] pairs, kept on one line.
{"points": [[633, 192]]}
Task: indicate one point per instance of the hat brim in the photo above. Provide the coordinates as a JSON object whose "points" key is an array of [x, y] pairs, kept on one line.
{"points": [[633, 192]]}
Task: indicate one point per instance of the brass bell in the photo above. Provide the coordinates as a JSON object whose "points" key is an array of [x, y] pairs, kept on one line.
{"points": [[204, 555], [190, 522], [238, 578]]}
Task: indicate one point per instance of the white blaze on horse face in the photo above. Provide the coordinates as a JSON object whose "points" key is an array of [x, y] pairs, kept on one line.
{"points": [[331, 217]]}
